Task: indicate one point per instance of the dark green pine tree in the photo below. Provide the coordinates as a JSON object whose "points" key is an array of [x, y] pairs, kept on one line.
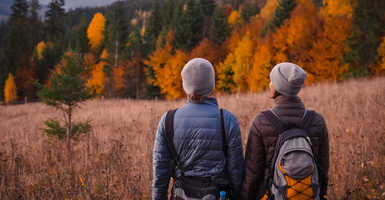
{"points": [[281, 13], [220, 29], [367, 29], [249, 10], [208, 7], [66, 91], [17, 43], [153, 28], [188, 29], [116, 32], [35, 23], [55, 20], [78, 39]]}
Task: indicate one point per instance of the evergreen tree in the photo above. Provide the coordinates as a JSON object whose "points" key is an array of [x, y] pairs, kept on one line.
{"points": [[367, 28], [35, 23], [117, 32], [188, 30], [65, 91], [55, 20], [208, 7], [282, 12], [154, 27], [249, 10], [17, 45], [220, 30]]}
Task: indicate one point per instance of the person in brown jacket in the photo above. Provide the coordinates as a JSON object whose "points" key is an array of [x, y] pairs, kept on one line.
{"points": [[286, 82]]}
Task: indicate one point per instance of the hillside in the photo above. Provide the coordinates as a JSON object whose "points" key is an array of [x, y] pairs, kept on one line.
{"points": [[115, 161]]}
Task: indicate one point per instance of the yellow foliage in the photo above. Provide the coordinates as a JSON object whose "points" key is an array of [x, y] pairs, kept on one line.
{"points": [[10, 91], [118, 78], [258, 78], [95, 31], [269, 9], [158, 58], [226, 74], [97, 79], [243, 61], [234, 18], [41, 46], [170, 82]]}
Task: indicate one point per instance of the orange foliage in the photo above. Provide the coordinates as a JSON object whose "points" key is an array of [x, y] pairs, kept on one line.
{"points": [[41, 46], [167, 68], [208, 50], [328, 50], [98, 78], [159, 57], [95, 31], [25, 79], [268, 10], [234, 18], [118, 78], [10, 91], [171, 81], [380, 70], [337, 8], [293, 40], [258, 78]]}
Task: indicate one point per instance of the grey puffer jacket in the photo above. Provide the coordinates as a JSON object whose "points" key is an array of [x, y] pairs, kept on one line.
{"points": [[198, 142]]}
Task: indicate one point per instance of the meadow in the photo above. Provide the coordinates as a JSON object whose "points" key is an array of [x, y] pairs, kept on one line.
{"points": [[114, 161]]}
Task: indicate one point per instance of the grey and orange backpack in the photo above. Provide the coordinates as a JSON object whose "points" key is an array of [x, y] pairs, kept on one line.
{"points": [[293, 173]]}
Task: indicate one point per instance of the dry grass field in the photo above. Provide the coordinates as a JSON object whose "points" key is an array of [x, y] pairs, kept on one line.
{"points": [[115, 160]]}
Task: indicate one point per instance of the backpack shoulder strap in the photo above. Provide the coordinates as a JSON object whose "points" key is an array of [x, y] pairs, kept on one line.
{"points": [[170, 133], [224, 141], [277, 123]]}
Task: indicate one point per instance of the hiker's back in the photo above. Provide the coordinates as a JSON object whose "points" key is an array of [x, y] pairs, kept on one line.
{"points": [[198, 139]]}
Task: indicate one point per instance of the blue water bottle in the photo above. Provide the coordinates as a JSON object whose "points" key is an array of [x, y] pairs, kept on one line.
{"points": [[222, 195]]}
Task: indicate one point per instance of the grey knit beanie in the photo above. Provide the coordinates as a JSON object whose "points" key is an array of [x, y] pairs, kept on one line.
{"points": [[287, 78], [198, 77]]}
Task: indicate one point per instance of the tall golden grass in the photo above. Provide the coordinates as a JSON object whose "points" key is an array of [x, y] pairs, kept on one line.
{"points": [[115, 160]]}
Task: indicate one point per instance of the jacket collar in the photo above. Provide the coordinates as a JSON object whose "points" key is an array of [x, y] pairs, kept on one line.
{"points": [[282, 101], [208, 100]]}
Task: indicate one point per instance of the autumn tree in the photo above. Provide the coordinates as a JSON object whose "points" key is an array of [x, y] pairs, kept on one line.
{"points": [[97, 80], [157, 60], [41, 46], [281, 13], [208, 50], [326, 55], [380, 68], [243, 62], [10, 91], [170, 82], [225, 74], [234, 18], [95, 31], [258, 78]]}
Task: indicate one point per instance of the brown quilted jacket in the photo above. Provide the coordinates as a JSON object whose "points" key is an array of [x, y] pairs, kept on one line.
{"points": [[261, 143]]}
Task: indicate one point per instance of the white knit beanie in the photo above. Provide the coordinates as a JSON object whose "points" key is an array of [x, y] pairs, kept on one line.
{"points": [[198, 77]]}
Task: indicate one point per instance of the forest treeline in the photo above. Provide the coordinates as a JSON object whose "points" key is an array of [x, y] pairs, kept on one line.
{"points": [[137, 48]]}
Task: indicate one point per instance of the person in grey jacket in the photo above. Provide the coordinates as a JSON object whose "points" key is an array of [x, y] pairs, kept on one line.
{"points": [[203, 166]]}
